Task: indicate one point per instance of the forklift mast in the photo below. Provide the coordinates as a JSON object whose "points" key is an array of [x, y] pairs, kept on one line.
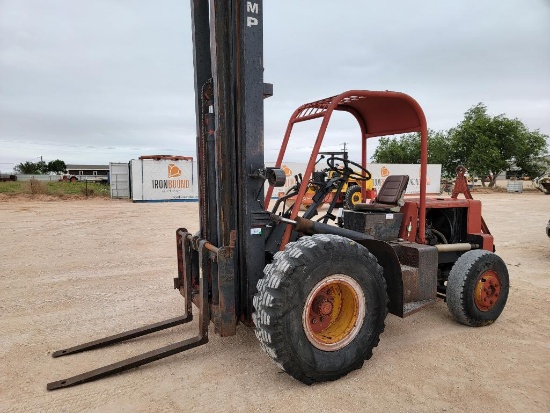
{"points": [[229, 93]]}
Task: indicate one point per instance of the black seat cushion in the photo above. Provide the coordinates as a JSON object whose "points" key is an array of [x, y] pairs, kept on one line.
{"points": [[392, 189], [389, 196]]}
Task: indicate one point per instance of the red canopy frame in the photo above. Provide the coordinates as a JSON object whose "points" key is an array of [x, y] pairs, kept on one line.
{"points": [[379, 113]]}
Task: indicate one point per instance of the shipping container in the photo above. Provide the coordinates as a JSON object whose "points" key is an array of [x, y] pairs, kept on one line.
{"points": [[163, 178], [119, 180]]}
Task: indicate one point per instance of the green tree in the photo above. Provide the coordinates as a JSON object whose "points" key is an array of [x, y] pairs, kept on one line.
{"points": [[486, 145], [28, 167], [57, 166], [406, 149], [533, 163], [489, 145], [40, 167], [401, 149], [440, 152]]}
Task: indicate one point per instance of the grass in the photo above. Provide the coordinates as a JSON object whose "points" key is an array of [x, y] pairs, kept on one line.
{"points": [[35, 187]]}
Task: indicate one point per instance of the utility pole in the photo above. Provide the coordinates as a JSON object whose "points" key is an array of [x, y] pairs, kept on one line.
{"points": [[344, 149]]}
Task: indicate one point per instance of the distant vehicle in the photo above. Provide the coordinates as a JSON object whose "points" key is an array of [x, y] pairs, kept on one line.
{"points": [[90, 178], [542, 183], [8, 177], [338, 181]]}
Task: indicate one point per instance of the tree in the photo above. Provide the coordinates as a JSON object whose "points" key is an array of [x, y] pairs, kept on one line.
{"points": [[532, 163], [403, 149], [28, 167], [40, 167], [57, 166], [440, 152], [488, 146], [406, 149]]}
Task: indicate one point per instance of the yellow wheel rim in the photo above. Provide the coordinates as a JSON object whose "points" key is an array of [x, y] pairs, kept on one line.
{"points": [[333, 312]]}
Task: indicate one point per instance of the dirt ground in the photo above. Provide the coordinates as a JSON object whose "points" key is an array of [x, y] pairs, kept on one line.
{"points": [[75, 270]]}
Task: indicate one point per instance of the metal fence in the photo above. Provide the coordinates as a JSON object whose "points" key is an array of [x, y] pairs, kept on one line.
{"points": [[55, 178], [47, 178]]}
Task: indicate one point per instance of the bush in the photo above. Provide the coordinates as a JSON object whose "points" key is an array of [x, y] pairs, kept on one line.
{"points": [[55, 188], [87, 191], [35, 187], [11, 187]]}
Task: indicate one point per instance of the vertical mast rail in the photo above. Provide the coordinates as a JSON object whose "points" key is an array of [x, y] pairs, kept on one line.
{"points": [[250, 146]]}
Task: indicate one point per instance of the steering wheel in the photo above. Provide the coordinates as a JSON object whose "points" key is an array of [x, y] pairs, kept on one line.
{"points": [[356, 175]]}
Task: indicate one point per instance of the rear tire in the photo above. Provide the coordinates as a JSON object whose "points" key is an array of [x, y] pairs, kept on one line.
{"points": [[353, 196], [320, 308], [477, 288]]}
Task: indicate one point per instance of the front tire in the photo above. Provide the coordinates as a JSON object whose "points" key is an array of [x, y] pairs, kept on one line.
{"points": [[320, 307], [477, 288], [353, 197]]}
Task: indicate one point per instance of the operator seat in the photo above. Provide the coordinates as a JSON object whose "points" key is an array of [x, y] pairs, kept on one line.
{"points": [[390, 197]]}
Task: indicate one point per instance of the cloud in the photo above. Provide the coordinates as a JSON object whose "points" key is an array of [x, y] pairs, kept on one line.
{"points": [[93, 82]]}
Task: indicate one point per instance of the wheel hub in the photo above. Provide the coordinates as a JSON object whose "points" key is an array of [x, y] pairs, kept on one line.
{"points": [[323, 306], [487, 290], [334, 312]]}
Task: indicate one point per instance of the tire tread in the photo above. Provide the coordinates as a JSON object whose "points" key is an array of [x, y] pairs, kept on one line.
{"points": [[269, 302], [459, 277]]}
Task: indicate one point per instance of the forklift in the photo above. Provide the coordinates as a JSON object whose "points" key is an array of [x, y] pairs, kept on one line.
{"points": [[335, 185], [316, 292]]}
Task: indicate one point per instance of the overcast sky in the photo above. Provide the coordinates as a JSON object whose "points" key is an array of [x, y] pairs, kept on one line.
{"points": [[110, 80]]}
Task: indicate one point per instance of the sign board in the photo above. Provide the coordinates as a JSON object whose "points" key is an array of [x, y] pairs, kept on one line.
{"points": [[379, 173], [163, 180], [382, 170], [176, 180]]}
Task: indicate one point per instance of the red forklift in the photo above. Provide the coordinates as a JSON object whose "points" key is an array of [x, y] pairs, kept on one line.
{"points": [[316, 291]]}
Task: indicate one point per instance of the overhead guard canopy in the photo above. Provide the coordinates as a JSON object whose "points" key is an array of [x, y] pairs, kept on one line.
{"points": [[379, 112]]}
